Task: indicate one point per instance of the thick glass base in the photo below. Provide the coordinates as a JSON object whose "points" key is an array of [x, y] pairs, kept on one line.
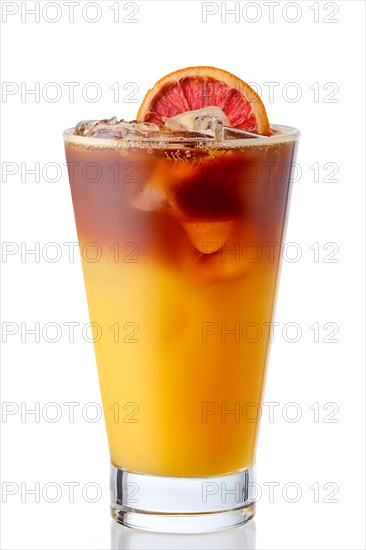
{"points": [[182, 504]]}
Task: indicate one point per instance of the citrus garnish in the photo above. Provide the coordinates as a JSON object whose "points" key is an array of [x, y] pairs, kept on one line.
{"points": [[194, 88]]}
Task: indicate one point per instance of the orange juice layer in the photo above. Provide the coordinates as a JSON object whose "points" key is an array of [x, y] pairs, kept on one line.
{"points": [[182, 291]]}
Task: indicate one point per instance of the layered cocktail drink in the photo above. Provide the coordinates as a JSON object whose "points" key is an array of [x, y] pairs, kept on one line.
{"points": [[180, 234]]}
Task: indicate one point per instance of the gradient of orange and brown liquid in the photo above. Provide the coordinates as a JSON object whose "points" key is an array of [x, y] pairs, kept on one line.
{"points": [[170, 370]]}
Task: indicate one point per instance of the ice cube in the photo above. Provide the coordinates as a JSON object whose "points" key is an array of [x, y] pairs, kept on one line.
{"points": [[152, 194], [115, 129], [85, 127], [150, 199], [208, 121], [208, 125], [132, 130], [208, 237]]}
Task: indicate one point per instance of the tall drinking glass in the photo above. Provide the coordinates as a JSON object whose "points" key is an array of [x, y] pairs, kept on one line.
{"points": [[180, 241]]}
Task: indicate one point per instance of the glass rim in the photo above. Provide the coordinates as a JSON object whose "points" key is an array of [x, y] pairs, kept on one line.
{"points": [[283, 134]]}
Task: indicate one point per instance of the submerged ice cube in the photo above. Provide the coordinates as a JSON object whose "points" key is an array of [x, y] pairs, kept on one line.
{"points": [[208, 237], [208, 121], [151, 199]]}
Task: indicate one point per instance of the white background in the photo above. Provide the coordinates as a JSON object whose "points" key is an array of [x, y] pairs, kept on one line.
{"points": [[325, 60]]}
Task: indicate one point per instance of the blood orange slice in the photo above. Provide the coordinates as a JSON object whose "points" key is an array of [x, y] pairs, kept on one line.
{"points": [[198, 87]]}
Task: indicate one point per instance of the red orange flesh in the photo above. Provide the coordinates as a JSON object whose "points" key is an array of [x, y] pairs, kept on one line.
{"points": [[197, 87]]}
